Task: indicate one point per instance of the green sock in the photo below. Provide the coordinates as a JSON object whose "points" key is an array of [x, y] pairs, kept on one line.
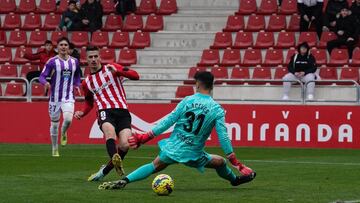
{"points": [[141, 173], [225, 172]]}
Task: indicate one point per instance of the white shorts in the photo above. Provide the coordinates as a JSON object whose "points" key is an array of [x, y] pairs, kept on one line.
{"points": [[55, 108]]}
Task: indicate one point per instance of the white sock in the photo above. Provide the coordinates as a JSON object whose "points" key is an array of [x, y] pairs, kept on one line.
{"points": [[66, 123], [54, 131]]}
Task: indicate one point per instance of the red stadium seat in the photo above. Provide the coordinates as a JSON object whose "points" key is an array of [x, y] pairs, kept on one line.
{"points": [[113, 23], [167, 7], [2, 37], [83, 60], [107, 56], [100, 39], [25, 69], [191, 74], [351, 73], [222, 40], [231, 57], [32, 22], [309, 37], [261, 73], [63, 6], [239, 73], [288, 7], [57, 35], [328, 74], [276, 23], [26, 6], [133, 23], [273, 57], [14, 89], [264, 40], [219, 73], [320, 56], [255, 23], [37, 38], [37, 90], [356, 57], [5, 55], [108, 6], [8, 71], [268, 7], [280, 72], [294, 23], [46, 6], [234, 23], [289, 54], [184, 91], [154, 23], [12, 21], [120, 40], [243, 40], [209, 57], [285, 40], [18, 59], [127, 57], [252, 57], [17, 38], [325, 37], [7, 6], [80, 38], [141, 40], [146, 7], [338, 57], [247, 7], [51, 21]]}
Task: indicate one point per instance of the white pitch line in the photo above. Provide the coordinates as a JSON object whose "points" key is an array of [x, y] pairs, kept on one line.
{"points": [[347, 201], [151, 158]]}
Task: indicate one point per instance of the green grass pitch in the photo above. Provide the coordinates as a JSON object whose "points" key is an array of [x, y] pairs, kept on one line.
{"points": [[29, 174]]}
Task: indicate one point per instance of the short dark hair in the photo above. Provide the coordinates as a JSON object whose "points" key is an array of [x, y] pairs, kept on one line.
{"points": [[71, 45], [48, 42], [92, 48], [205, 78], [63, 39], [72, 2]]}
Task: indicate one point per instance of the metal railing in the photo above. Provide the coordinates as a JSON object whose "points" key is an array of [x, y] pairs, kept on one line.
{"points": [[22, 80], [218, 83]]}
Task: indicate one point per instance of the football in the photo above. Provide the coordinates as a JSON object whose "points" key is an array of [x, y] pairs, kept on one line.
{"points": [[163, 185]]}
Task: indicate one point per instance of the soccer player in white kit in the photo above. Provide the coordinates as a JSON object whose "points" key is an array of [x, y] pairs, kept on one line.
{"points": [[65, 74]]}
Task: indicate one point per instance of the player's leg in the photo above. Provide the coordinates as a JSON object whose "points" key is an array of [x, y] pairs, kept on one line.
{"points": [[287, 85], [139, 174], [310, 88], [219, 164], [54, 113], [68, 112]]}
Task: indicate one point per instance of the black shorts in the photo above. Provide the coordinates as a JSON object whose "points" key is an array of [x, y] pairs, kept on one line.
{"points": [[119, 118]]}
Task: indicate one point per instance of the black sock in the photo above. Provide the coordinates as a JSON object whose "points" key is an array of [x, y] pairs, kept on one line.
{"points": [[126, 179], [122, 154], [111, 147], [108, 168]]}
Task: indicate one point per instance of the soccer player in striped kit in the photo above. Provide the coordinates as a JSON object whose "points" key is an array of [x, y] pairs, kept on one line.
{"points": [[65, 74], [104, 87]]}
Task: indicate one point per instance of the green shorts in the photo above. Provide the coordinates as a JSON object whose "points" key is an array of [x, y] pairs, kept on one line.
{"points": [[199, 164]]}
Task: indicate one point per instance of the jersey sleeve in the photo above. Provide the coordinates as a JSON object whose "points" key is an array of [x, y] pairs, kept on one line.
{"points": [[221, 131], [45, 73], [77, 75], [125, 72], [89, 98], [170, 120]]}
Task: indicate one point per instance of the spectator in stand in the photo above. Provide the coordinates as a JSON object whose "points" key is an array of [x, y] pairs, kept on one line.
{"points": [[123, 7], [70, 20], [73, 51], [347, 32], [91, 15], [311, 13], [302, 67], [44, 55], [333, 8], [355, 10]]}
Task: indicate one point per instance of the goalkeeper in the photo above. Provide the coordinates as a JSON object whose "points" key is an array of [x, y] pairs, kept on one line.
{"points": [[194, 118]]}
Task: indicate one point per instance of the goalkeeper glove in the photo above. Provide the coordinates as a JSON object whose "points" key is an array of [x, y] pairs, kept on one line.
{"points": [[138, 139], [238, 165]]}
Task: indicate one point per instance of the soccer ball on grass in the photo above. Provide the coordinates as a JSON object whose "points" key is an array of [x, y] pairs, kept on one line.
{"points": [[163, 185]]}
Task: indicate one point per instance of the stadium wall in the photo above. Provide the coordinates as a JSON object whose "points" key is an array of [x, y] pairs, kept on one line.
{"points": [[248, 125]]}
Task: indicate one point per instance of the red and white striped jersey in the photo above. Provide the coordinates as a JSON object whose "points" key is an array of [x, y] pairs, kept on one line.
{"points": [[106, 88]]}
